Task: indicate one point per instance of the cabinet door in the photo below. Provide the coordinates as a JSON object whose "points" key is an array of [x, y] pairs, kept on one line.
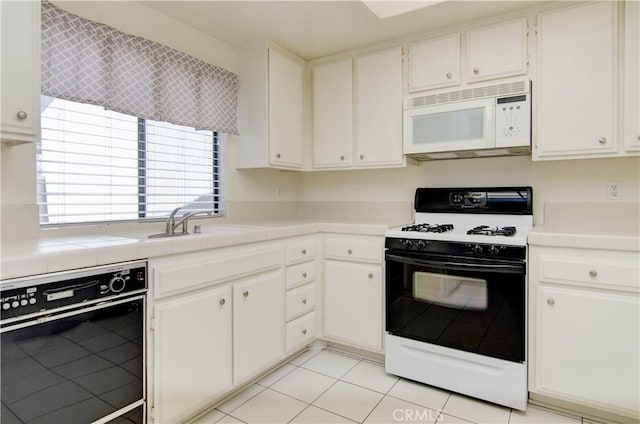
{"points": [[587, 346], [379, 108], [576, 88], [333, 114], [286, 78], [497, 51], [20, 111], [632, 73], [191, 352], [258, 324], [434, 63], [353, 303]]}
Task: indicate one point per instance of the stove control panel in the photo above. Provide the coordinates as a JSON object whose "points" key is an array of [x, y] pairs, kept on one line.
{"points": [[468, 199]]}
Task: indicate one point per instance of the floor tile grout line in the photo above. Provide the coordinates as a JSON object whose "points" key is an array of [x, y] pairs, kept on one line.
{"points": [[374, 408], [238, 394]]}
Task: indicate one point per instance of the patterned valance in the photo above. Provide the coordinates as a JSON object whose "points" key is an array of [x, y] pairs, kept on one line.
{"points": [[89, 62]]}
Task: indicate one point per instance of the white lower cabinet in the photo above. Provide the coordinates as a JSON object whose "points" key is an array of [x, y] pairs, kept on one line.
{"points": [[258, 324], [584, 336], [192, 352], [353, 303]]}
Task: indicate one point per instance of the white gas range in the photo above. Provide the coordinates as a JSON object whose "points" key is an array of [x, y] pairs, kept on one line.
{"points": [[456, 292]]}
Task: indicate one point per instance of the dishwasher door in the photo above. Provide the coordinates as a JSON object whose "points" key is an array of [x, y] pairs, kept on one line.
{"points": [[76, 365]]}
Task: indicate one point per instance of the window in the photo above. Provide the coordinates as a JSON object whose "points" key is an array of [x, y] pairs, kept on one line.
{"points": [[96, 165]]}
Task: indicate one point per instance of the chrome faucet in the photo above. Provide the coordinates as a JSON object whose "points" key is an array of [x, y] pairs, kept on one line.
{"points": [[172, 224]]}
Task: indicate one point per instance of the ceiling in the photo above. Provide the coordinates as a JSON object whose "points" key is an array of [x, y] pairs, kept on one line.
{"points": [[317, 28]]}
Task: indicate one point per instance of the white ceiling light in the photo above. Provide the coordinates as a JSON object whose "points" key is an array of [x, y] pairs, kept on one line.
{"points": [[388, 8]]}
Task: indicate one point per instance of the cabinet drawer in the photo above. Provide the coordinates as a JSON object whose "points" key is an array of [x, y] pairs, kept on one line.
{"points": [[301, 250], [301, 331], [356, 249], [300, 301], [588, 270], [300, 274]]}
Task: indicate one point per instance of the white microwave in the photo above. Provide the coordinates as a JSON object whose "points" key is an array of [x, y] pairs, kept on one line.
{"points": [[483, 121]]}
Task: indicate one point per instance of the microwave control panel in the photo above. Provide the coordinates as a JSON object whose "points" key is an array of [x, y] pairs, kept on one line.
{"points": [[513, 121]]}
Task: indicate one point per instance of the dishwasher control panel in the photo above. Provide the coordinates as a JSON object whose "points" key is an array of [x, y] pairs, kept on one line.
{"points": [[29, 295]]}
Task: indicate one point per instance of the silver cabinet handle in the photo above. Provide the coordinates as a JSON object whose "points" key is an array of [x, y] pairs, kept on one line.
{"points": [[349, 251], [21, 115], [278, 155], [593, 273], [304, 251], [304, 301], [370, 275], [449, 75], [222, 301], [304, 331], [245, 294], [602, 140], [341, 157], [304, 275], [638, 137], [551, 302], [476, 70], [361, 156]]}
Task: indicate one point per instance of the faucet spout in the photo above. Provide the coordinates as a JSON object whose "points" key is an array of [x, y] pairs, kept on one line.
{"points": [[170, 227]]}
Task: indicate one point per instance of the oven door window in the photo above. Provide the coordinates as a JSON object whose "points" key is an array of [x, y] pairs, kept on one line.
{"points": [[475, 307], [450, 291], [75, 369]]}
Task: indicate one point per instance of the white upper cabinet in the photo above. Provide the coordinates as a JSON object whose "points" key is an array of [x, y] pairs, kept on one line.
{"points": [[333, 114], [20, 110], [270, 108], [632, 73], [497, 51], [357, 114], [379, 108], [576, 98], [434, 63], [286, 79]]}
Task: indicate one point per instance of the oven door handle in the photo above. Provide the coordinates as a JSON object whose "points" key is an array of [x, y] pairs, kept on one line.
{"points": [[460, 266]]}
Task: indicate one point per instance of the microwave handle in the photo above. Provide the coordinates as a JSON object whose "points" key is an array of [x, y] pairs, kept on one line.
{"points": [[459, 266]]}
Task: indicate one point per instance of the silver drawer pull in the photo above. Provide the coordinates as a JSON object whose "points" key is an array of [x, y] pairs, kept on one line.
{"points": [[349, 251], [476, 70], [304, 301], [245, 294], [341, 157], [593, 273], [21, 115], [449, 75], [304, 275], [602, 140], [222, 301], [304, 251], [370, 275], [304, 331], [551, 302]]}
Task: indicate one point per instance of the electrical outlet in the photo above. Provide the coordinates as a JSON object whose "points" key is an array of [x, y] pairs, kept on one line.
{"points": [[614, 190]]}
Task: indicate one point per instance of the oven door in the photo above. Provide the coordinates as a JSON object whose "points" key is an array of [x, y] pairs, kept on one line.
{"points": [[469, 304], [76, 365]]}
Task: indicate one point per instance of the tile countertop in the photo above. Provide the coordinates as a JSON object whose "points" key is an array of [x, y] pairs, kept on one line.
{"points": [[627, 240], [42, 255]]}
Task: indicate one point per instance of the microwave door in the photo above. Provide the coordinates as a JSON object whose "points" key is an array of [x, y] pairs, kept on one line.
{"points": [[452, 127]]}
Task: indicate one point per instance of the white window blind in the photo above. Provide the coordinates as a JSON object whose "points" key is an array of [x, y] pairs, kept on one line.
{"points": [[97, 165]]}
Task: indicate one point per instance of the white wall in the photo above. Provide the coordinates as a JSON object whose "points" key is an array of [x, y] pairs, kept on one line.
{"points": [[552, 181]]}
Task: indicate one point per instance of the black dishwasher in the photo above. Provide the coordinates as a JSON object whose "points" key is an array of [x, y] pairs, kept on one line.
{"points": [[73, 346]]}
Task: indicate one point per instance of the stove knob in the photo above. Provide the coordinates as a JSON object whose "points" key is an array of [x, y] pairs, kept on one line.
{"points": [[493, 250], [6, 305], [422, 244], [117, 284], [476, 249], [408, 244]]}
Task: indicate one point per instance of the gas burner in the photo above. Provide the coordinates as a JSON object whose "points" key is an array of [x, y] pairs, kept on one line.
{"points": [[486, 230], [429, 228]]}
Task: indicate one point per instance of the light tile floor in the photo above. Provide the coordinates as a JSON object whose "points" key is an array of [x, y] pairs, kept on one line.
{"points": [[325, 386]]}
